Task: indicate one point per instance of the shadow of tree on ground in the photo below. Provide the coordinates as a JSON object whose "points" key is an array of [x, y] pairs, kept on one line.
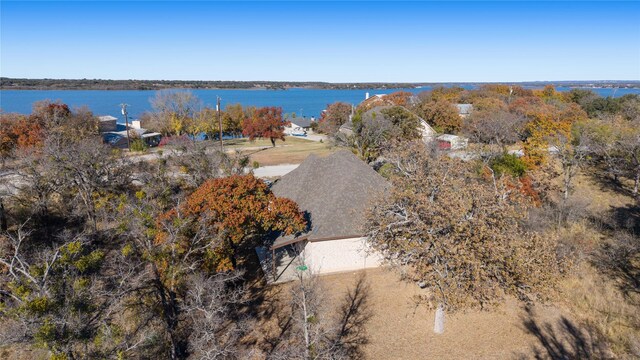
{"points": [[601, 176], [620, 260], [566, 340], [619, 256]]}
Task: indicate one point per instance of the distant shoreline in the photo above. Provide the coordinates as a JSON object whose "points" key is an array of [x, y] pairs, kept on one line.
{"points": [[119, 85]]}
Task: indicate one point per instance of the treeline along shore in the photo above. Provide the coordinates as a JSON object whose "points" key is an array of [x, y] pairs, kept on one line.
{"points": [[100, 84]]}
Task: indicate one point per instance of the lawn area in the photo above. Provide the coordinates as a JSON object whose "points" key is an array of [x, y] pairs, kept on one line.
{"points": [[292, 151]]}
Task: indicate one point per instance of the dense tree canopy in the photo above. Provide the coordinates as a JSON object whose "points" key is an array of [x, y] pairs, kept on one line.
{"points": [[458, 233], [376, 129], [440, 114]]}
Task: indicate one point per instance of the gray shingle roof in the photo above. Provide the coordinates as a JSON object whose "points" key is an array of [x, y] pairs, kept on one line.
{"points": [[300, 121], [335, 192]]}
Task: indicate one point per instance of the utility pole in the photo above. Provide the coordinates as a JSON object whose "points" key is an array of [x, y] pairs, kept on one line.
{"points": [[219, 123], [126, 122]]}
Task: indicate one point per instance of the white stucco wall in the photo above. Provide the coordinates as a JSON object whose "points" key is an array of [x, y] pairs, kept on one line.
{"points": [[426, 130], [340, 255]]}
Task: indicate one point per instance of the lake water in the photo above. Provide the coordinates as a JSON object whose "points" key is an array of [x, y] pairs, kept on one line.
{"points": [[304, 102]]}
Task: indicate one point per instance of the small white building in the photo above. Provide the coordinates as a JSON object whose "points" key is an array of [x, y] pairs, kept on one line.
{"points": [[298, 126], [451, 142], [335, 193]]}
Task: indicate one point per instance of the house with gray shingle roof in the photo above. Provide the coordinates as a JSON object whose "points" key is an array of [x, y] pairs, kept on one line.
{"points": [[427, 132], [298, 126], [335, 193]]}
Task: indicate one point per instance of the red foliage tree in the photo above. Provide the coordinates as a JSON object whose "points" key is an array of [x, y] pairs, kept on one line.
{"points": [[265, 122], [236, 208]]}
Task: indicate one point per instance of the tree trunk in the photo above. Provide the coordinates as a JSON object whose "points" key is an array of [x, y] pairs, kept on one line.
{"points": [[3, 217], [438, 324], [232, 246], [636, 182], [307, 342], [567, 182], [273, 141], [170, 312], [565, 194]]}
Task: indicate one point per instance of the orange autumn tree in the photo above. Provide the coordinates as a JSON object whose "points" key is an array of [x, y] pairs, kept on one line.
{"points": [[399, 98], [236, 208], [28, 134], [546, 121], [265, 122], [18, 132]]}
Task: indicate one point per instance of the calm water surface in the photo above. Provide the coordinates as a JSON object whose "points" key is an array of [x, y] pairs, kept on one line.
{"points": [[304, 102]]}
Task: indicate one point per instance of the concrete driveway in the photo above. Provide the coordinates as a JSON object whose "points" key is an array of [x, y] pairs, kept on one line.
{"points": [[313, 137]]}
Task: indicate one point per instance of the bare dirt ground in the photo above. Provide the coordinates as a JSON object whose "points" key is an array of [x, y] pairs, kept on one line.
{"points": [[401, 329]]}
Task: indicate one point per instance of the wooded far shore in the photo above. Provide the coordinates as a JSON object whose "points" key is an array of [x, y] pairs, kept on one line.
{"points": [[100, 84]]}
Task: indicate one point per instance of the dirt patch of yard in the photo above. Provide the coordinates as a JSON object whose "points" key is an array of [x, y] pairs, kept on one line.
{"points": [[292, 151], [19, 352], [401, 329]]}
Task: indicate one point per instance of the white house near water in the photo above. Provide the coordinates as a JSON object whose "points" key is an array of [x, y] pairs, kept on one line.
{"points": [[298, 126], [335, 193], [426, 131]]}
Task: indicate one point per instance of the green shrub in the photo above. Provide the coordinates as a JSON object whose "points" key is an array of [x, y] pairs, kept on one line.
{"points": [[508, 164], [386, 170], [138, 145], [256, 164]]}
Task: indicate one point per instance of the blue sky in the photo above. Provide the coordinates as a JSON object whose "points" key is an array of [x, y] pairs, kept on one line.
{"points": [[321, 41]]}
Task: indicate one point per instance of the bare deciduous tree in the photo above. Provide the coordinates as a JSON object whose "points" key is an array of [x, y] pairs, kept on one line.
{"points": [[87, 170], [211, 304], [54, 292], [316, 330], [173, 111], [494, 127]]}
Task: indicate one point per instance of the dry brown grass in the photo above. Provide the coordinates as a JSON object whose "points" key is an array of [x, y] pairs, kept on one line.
{"points": [[20, 352], [591, 296], [401, 328], [292, 151], [595, 300], [589, 316]]}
